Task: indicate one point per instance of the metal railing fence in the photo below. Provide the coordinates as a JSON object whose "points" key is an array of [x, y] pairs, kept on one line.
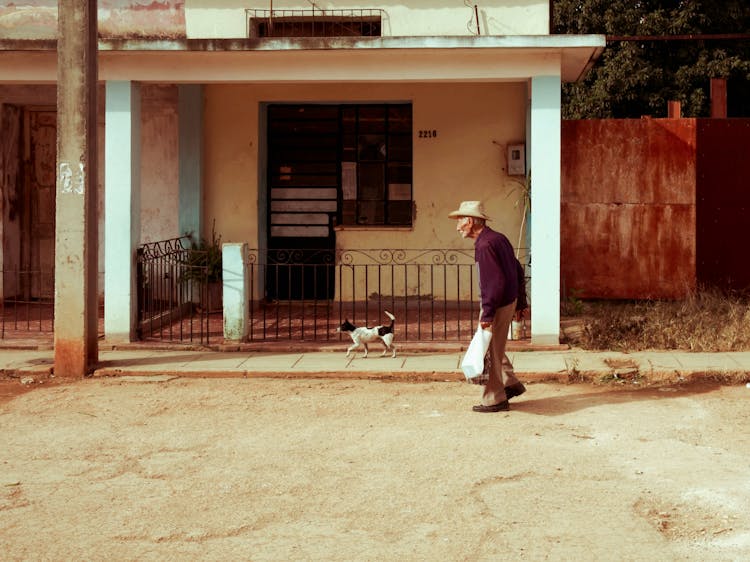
{"points": [[176, 297], [295, 294], [432, 292], [27, 303], [305, 294]]}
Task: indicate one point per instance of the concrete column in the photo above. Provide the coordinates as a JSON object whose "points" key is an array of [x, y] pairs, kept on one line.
{"points": [[190, 115], [545, 208], [76, 299], [235, 292], [122, 209]]}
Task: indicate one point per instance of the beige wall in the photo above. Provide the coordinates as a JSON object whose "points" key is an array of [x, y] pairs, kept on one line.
{"points": [[462, 162], [466, 160], [226, 18]]}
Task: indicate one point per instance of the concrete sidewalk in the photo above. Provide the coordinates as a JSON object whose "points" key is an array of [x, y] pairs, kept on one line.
{"points": [[564, 365]]}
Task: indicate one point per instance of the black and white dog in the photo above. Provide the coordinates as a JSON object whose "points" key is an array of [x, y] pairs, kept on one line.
{"points": [[363, 336]]}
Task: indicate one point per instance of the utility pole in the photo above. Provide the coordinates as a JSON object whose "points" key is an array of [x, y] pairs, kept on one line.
{"points": [[76, 290]]}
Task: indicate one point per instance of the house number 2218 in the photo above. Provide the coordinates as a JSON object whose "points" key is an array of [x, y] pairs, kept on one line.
{"points": [[427, 133]]}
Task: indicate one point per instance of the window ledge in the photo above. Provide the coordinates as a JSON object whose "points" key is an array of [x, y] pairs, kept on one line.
{"points": [[372, 227]]}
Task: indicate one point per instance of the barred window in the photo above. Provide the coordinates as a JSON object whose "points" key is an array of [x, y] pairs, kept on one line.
{"points": [[376, 164], [314, 23]]}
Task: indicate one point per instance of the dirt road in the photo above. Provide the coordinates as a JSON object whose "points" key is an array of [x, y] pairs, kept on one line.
{"points": [[271, 469]]}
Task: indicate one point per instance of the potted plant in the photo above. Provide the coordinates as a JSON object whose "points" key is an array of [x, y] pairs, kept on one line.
{"points": [[202, 267]]}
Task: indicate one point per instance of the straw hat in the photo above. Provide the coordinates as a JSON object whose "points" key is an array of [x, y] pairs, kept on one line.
{"points": [[469, 209]]}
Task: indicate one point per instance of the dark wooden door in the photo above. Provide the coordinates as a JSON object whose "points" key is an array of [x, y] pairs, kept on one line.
{"points": [[303, 184]]}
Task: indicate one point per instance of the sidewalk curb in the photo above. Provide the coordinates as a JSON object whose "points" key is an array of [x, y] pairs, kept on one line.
{"points": [[44, 371], [401, 376], [602, 377], [568, 367], [281, 346], [410, 376]]}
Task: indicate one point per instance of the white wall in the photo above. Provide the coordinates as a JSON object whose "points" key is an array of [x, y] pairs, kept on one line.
{"points": [[226, 18]]}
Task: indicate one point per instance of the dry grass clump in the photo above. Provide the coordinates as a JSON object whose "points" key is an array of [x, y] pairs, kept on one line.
{"points": [[707, 320]]}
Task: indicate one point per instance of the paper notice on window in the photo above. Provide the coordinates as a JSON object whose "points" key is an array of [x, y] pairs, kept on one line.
{"points": [[349, 180], [399, 191]]}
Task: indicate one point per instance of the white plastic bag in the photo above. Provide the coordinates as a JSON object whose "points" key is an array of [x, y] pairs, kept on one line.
{"points": [[473, 362]]}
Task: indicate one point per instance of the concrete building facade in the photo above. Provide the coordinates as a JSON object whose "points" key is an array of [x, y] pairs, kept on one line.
{"points": [[451, 102]]}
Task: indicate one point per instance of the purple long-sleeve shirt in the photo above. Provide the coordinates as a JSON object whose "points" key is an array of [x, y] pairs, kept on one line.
{"points": [[498, 280]]}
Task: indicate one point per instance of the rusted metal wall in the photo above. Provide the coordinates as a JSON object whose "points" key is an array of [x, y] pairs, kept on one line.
{"points": [[37, 19], [628, 208], [723, 202]]}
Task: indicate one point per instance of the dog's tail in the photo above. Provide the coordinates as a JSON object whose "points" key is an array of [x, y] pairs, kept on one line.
{"points": [[391, 316]]}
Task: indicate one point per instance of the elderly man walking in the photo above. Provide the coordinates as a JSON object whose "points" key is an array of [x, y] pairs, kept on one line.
{"points": [[501, 281]]}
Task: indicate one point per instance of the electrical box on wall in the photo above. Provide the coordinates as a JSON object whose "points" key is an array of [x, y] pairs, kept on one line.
{"points": [[516, 160]]}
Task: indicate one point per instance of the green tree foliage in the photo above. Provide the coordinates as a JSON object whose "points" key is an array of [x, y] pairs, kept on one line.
{"points": [[636, 78]]}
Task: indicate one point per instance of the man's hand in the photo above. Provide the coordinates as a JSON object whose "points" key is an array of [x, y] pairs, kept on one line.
{"points": [[485, 325]]}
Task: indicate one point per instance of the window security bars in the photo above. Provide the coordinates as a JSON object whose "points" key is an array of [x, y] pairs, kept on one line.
{"points": [[314, 23], [358, 153], [376, 165]]}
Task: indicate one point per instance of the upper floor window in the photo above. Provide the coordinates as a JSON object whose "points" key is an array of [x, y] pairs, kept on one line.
{"points": [[314, 23]]}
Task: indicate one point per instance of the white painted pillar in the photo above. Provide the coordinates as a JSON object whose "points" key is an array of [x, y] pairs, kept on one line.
{"points": [[235, 294], [122, 208], [545, 210]]}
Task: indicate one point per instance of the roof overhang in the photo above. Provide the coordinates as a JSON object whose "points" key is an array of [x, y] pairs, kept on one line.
{"points": [[349, 59]]}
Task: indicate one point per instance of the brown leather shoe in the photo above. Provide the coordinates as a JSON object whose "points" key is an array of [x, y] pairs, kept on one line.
{"points": [[514, 390], [501, 407]]}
